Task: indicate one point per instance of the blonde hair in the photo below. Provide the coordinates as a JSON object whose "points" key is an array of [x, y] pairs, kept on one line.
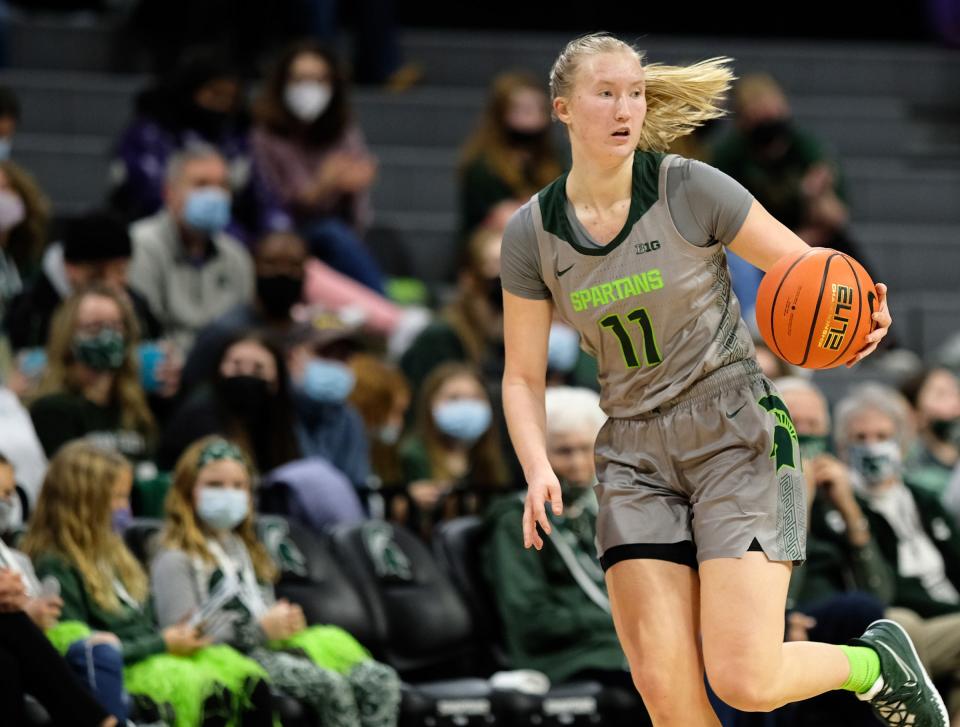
{"points": [[72, 520], [183, 531], [127, 391], [679, 98]]}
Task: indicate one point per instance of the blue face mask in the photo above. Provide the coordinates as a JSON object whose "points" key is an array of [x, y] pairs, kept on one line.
{"points": [[207, 209], [327, 381], [5, 147], [221, 508], [121, 519], [563, 348], [465, 420]]}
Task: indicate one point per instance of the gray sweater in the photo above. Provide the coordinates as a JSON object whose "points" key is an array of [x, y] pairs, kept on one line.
{"points": [[181, 584], [185, 295]]}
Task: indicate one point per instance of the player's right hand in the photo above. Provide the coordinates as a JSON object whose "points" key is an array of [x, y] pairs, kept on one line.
{"points": [[540, 490]]}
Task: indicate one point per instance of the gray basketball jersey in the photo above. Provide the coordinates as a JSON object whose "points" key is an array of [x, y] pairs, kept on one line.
{"points": [[656, 311]]}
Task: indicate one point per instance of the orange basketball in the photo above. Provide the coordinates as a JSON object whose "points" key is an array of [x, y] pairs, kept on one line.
{"points": [[814, 309]]}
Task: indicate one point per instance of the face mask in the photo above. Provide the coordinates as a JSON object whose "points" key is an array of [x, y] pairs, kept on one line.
{"points": [[121, 519], [946, 430], [307, 100], [207, 209], [389, 434], [768, 132], [563, 348], [812, 446], [222, 509], [244, 395], [327, 381], [6, 146], [278, 293], [876, 462], [102, 352], [465, 420], [7, 509], [523, 137], [12, 210]]}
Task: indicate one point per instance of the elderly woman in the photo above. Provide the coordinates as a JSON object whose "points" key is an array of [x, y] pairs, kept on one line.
{"points": [[553, 602], [913, 531]]}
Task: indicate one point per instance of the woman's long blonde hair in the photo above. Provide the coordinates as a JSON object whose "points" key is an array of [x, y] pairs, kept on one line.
{"points": [[185, 532], [59, 376], [679, 98], [72, 520]]}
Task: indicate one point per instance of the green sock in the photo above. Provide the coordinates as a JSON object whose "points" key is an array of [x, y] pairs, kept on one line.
{"points": [[864, 668]]}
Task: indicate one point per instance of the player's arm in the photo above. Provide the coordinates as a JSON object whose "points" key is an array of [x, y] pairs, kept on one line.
{"points": [[762, 240], [526, 329]]}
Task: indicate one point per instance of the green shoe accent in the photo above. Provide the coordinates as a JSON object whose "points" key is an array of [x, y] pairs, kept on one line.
{"points": [[903, 694], [864, 668]]}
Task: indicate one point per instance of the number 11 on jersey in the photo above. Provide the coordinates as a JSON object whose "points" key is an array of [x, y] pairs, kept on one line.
{"points": [[630, 355]]}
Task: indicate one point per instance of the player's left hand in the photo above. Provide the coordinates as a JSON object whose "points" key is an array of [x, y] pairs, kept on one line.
{"points": [[882, 319]]}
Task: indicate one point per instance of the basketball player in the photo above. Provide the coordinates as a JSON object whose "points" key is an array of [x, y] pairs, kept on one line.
{"points": [[701, 495]]}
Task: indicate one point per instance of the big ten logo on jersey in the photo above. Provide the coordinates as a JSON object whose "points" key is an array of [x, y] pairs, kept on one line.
{"points": [[841, 298], [642, 247]]}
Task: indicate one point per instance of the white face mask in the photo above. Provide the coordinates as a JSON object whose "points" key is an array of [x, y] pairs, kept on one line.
{"points": [[307, 100]]}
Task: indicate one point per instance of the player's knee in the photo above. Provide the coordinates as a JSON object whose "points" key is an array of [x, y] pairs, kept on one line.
{"points": [[745, 689], [657, 686]]}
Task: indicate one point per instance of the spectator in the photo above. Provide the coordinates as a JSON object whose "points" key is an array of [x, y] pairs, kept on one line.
{"points": [[29, 663], [103, 586], [209, 537], [9, 120], [186, 266], [452, 460], [328, 425], [382, 396], [247, 399], [315, 160], [199, 103], [935, 396], [91, 387], [470, 329], [510, 156], [916, 536], [43, 606], [24, 214], [787, 170], [845, 583], [553, 602], [22, 448], [278, 260], [95, 250]]}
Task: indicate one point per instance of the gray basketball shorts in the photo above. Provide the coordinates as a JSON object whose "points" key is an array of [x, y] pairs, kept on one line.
{"points": [[712, 474]]}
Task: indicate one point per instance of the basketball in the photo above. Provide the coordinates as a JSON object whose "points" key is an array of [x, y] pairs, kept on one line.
{"points": [[814, 309]]}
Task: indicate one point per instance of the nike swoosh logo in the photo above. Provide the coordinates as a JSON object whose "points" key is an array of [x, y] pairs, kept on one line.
{"points": [[731, 415], [561, 273], [871, 299], [912, 679]]}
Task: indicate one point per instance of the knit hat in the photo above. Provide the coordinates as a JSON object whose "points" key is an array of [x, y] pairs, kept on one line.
{"points": [[95, 236]]}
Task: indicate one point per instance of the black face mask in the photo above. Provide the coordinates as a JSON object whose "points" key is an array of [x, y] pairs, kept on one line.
{"points": [[278, 293], [767, 133], [245, 396], [946, 430], [209, 124], [524, 137], [495, 294]]}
